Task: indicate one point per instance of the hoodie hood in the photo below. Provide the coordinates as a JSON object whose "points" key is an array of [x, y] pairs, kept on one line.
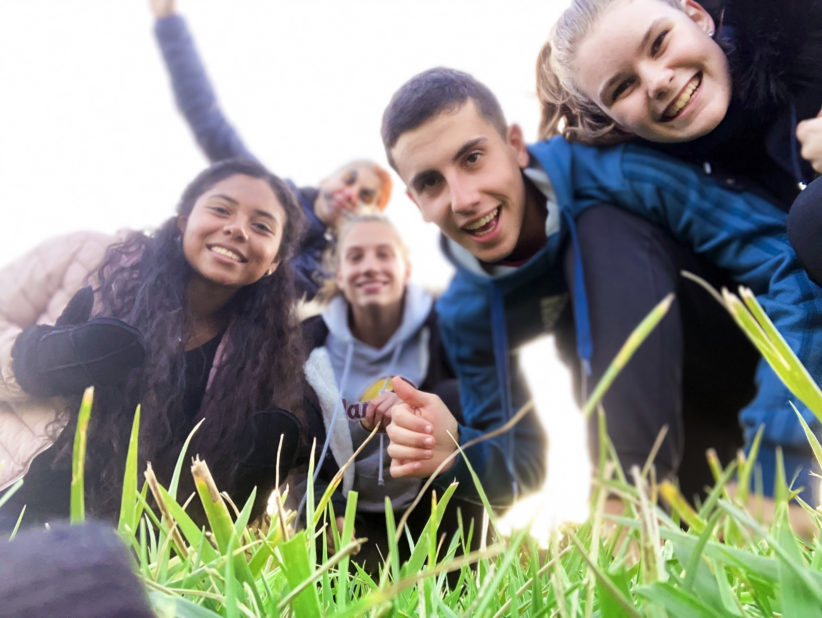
{"points": [[417, 304], [362, 372]]}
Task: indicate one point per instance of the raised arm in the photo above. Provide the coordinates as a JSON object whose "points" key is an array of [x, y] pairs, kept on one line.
{"points": [[193, 91]]}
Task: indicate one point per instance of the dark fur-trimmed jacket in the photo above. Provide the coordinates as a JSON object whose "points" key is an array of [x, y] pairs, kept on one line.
{"points": [[775, 54]]}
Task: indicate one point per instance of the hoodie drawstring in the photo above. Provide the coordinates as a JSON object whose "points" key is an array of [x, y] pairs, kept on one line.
{"points": [[349, 353]]}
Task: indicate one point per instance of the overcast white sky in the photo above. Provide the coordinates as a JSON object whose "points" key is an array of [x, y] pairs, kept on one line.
{"points": [[91, 138]]}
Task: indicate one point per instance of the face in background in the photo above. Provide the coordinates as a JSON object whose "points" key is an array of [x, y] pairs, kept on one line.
{"points": [[373, 268], [232, 236], [466, 177], [655, 70], [346, 191]]}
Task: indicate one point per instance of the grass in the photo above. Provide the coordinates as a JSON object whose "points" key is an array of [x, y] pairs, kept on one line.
{"points": [[711, 559]]}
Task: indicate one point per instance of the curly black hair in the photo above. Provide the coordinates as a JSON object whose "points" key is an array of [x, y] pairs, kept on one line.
{"points": [[142, 280]]}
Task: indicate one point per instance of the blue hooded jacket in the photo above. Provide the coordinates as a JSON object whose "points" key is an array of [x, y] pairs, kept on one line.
{"points": [[738, 231]]}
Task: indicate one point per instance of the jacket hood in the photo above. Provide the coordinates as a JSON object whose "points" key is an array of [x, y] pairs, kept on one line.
{"points": [[417, 305], [550, 169], [772, 47]]}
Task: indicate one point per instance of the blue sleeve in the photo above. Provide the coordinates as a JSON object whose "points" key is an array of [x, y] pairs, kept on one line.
{"points": [[194, 93], [470, 352], [309, 273], [746, 236]]}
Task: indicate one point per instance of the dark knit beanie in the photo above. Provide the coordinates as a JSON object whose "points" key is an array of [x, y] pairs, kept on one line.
{"points": [[83, 570]]}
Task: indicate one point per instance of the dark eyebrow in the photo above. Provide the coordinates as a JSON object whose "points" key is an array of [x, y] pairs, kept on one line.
{"points": [[226, 198], [469, 145], [264, 213], [466, 147], [257, 211], [606, 87]]}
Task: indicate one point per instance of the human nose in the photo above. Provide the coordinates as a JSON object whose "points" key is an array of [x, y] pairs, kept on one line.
{"points": [[236, 228], [464, 194], [658, 79], [351, 195], [368, 263]]}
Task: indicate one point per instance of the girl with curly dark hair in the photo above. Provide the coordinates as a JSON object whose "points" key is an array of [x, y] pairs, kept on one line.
{"points": [[194, 322]]}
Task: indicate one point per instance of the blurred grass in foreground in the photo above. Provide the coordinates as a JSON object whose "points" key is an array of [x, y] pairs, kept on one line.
{"points": [[715, 559]]}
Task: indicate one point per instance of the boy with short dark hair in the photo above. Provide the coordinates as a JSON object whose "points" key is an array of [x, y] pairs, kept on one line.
{"points": [[528, 228]]}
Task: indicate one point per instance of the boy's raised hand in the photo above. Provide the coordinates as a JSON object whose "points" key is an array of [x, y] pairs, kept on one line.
{"points": [[162, 8], [419, 432], [809, 134]]}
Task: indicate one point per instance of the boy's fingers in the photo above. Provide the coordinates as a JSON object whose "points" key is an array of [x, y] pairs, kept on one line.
{"points": [[403, 417], [401, 468], [400, 451], [410, 395], [407, 437]]}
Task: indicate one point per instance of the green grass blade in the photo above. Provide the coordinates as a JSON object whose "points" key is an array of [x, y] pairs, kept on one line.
{"points": [[678, 602], [626, 604], [129, 503], [178, 466], [168, 606], [796, 377], [8, 493], [639, 334], [297, 569], [811, 436], [77, 507]]}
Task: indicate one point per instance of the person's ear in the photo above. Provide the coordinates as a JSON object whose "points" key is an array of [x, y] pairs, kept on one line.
{"points": [[182, 221], [699, 16], [516, 140], [273, 268]]}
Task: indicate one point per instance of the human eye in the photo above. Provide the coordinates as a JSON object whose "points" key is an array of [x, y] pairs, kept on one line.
{"points": [[621, 88], [263, 227], [367, 196], [473, 158], [428, 183], [219, 209], [658, 42]]}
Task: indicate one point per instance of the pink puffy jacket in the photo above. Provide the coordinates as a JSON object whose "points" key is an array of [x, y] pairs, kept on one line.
{"points": [[34, 289]]}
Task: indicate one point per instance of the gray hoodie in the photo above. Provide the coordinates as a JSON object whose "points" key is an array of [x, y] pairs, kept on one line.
{"points": [[347, 373]]}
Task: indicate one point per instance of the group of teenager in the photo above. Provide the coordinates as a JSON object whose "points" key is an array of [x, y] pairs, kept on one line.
{"points": [[675, 137]]}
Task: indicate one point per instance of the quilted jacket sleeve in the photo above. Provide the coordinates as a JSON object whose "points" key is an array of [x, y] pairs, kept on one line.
{"points": [[35, 289]]}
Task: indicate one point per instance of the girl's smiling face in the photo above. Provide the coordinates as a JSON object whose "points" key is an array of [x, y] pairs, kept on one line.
{"points": [[373, 269], [233, 234], [655, 70]]}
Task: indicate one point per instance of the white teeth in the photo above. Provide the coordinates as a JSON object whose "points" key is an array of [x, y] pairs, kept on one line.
{"points": [[228, 253], [682, 100], [484, 221]]}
